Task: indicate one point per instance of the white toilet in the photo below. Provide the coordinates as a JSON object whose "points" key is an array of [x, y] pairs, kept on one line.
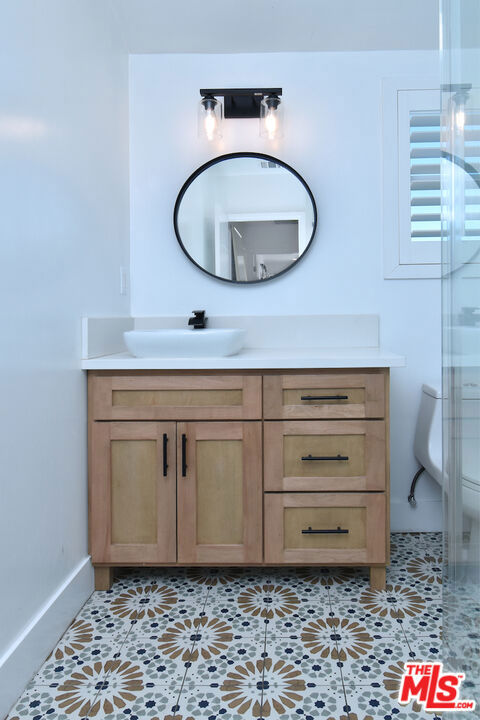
{"points": [[428, 450], [428, 433]]}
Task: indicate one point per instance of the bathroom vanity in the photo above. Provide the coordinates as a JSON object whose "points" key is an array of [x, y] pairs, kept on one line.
{"points": [[273, 456], [283, 464]]}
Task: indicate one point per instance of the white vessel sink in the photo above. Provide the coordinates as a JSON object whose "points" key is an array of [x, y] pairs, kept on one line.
{"points": [[184, 343]]}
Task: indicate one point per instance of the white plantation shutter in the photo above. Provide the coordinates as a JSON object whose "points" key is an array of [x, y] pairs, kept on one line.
{"points": [[425, 180], [425, 200]]}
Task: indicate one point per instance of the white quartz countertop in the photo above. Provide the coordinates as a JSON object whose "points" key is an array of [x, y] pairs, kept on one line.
{"points": [[256, 358], [271, 342]]}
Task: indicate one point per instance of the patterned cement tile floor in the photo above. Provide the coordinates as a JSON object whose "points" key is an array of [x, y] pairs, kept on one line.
{"points": [[201, 644]]}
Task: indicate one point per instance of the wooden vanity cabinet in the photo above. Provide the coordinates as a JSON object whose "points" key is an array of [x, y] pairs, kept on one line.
{"points": [[235, 468]]}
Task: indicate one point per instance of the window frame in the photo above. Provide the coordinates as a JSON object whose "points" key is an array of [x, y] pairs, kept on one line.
{"points": [[402, 257]]}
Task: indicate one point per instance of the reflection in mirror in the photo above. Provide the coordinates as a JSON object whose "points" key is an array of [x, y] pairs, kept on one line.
{"points": [[245, 217]]}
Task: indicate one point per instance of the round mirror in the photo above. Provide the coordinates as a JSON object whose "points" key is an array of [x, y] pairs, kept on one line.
{"points": [[245, 217]]}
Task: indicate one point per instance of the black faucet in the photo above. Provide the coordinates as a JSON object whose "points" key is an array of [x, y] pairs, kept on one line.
{"points": [[199, 321]]}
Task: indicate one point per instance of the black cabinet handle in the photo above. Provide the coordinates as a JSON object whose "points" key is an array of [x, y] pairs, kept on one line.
{"points": [[324, 397], [184, 455], [165, 463], [339, 458], [338, 531]]}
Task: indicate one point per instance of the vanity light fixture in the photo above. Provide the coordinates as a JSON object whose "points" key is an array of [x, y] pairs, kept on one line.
{"points": [[238, 103]]}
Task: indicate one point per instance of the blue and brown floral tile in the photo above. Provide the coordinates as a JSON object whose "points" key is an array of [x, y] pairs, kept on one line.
{"points": [[160, 662], [374, 610], [287, 694], [350, 584], [380, 619], [252, 608], [40, 703], [312, 583], [231, 643], [260, 690], [201, 649], [158, 609], [226, 583], [337, 648], [142, 609], [290, 623], [155, 627], [209, 669], [368, 664], [317, 660], [428, 649], [102, 689], [415, 540], [127, 693], [76, 650], [422, 572], [427, 621], [216, 578], [104, 618]]}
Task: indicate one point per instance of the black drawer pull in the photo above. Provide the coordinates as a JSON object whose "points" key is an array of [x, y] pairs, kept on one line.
{"points": [[165, 463], [339, 458], [338, 531], [324, 397], [184, 455]]}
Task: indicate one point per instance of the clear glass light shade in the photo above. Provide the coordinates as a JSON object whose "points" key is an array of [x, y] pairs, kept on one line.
{"points": [[271, 117], [210, 116]]}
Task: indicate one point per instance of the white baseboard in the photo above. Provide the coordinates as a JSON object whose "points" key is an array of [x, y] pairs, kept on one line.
{"points": [[427, 516], [25, 655]]}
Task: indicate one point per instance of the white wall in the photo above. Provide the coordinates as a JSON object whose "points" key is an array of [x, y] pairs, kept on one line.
{"points": [[333, 138], [64, 227]]}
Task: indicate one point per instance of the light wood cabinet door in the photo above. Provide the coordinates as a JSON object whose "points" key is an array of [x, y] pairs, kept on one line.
{"points": [[325, 528], [133, 492], [219, 492], [315, 455]]}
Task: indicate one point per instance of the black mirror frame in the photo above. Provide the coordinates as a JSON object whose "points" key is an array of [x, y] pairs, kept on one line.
{"points": [[230, 156]]}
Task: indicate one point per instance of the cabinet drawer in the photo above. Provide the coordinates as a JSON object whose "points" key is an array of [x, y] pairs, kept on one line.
{"points": [[325, 528], [333, 395], [177, 397], [321, 455]]}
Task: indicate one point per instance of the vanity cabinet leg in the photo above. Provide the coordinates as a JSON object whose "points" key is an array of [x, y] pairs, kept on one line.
{"points": [[103, 578], [378, 578]]}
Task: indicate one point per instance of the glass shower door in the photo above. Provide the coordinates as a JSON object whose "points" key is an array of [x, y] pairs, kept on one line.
{"points": [[460, 54]]}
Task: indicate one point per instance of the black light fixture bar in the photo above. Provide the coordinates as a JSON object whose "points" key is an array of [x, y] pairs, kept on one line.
{"points": [[241, 102]]}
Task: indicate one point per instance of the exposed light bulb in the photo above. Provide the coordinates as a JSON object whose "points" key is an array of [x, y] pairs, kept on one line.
{"points": [[271, 110], [210, 118], [210, 123], [271, 123]]}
